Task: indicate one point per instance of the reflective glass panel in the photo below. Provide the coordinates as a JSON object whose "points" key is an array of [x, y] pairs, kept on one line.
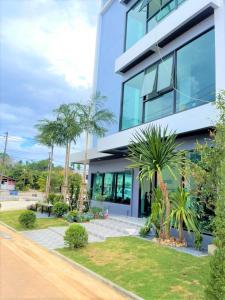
{"points": [[165, 73], [136, 25], [97, 186], [196, 72], [149, 80], [132, 102], [159, 107], [127, 188], [108, 186]]}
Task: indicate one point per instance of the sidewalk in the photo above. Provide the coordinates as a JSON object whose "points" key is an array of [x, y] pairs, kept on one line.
{"points": [[29, 271]]}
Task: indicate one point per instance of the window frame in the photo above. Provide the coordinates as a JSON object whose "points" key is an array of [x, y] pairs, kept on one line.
{"points": [[166, 90], [114, 188]]}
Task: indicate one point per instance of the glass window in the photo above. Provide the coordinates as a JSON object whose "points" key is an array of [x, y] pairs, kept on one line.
{"points": [[97, 186], [127, 188], [136, 24], [153, 7], [108, 186], [149, 81], [172, 182], [119, 188], [165, 73], [196, 72], [159, 107], [132, 102]]}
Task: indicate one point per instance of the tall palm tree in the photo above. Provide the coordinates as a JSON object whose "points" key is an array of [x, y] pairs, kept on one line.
{"points": [[48, 135], [93, 117], [69, 130], [153, 150]]}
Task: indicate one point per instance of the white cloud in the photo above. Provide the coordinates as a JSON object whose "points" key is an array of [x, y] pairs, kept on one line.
{"points": [[61, 34]]}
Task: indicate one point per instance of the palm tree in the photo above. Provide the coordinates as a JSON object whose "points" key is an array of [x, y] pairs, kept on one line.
{"points": [[93, 118], [153, 150], [49, 136], [69, 130], [182, 212]]}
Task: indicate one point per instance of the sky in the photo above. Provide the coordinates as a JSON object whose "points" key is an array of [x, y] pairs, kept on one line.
{"points": [[46, 59]]}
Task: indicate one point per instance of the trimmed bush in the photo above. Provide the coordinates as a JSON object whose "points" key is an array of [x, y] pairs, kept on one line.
{"points": [[76, 236], [72, 216], [60, 208], [53, 198], [27, 219]]}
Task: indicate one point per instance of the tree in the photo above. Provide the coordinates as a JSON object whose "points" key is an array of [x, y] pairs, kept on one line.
{"points": [[49, 135], [93, 118], [69, 129], [182, 212], [216, 284], [153, 150]]}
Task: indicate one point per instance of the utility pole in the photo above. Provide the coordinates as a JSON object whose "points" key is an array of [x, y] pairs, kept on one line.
{"points": [[3, 158]]}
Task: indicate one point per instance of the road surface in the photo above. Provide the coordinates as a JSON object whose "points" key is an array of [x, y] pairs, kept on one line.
{"points": [[28, 271]]}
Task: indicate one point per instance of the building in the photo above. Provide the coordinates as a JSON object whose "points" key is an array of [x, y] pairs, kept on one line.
{"points": [[158, 62], [7, 184]]}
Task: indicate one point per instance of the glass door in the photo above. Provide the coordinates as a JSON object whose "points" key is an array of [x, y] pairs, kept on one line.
{"points": [[145, 199]]}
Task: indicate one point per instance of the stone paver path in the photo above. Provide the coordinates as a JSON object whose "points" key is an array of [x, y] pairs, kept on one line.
{"points": [[98, 231]]}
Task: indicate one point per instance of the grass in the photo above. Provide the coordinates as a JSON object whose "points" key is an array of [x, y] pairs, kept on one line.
{"points": [[11, 219], [147, 269]]}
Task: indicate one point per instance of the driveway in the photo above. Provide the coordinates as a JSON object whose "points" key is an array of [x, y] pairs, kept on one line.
{"points": [[29, 271]]}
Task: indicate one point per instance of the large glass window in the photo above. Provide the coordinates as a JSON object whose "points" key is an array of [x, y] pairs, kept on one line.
{"points": [[132, 102], [159, 107], [136, 25], [181, 81], [196, 72], [115, 187]]}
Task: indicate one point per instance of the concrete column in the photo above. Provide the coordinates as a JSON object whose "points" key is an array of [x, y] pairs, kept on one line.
{"points": [[135, 195], [219, 20]]}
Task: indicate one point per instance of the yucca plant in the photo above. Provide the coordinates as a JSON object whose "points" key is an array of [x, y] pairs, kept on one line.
{"points": [[153, 150], [182, 212]]}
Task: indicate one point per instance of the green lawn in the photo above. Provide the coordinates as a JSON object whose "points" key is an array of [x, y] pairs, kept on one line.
{"points": [[11, 218], [147, 269]]}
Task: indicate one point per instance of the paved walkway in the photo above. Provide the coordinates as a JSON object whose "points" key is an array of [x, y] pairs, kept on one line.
{"points": [[98, 231], [29, 271]]}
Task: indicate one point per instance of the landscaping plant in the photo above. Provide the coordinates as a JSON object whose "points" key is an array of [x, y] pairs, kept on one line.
{"points": [[60, 208], [182, 212], [27, 219], [216, 284], [53, 198], [71, 216], [93, 116], [76, 236], [153, 150]]}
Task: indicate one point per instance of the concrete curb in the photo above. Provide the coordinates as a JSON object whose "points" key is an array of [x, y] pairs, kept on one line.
{"points": [[113, 285]]}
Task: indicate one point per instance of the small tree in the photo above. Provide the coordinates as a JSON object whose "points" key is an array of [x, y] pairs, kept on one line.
{"points": [[216, 284], [153, 150], [182, 212]]}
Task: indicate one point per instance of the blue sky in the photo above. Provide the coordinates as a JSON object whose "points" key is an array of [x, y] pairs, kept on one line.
{"points": [[46, 58]]}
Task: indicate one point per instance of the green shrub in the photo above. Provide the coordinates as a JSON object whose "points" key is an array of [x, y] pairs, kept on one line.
{"points": [[72, 216], [53, 198], [97, 212], [76, 236], [84, 217], [27, 219], [198, 240], [60, 208]]}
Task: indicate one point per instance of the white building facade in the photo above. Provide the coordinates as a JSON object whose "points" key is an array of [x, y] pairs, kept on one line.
{"points": [[158, 62]]}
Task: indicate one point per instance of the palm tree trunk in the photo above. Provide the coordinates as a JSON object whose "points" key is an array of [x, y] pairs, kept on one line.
{"points": [[83, 190], [50, 170], [66, 171], [181, 232], [167, 204]]}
